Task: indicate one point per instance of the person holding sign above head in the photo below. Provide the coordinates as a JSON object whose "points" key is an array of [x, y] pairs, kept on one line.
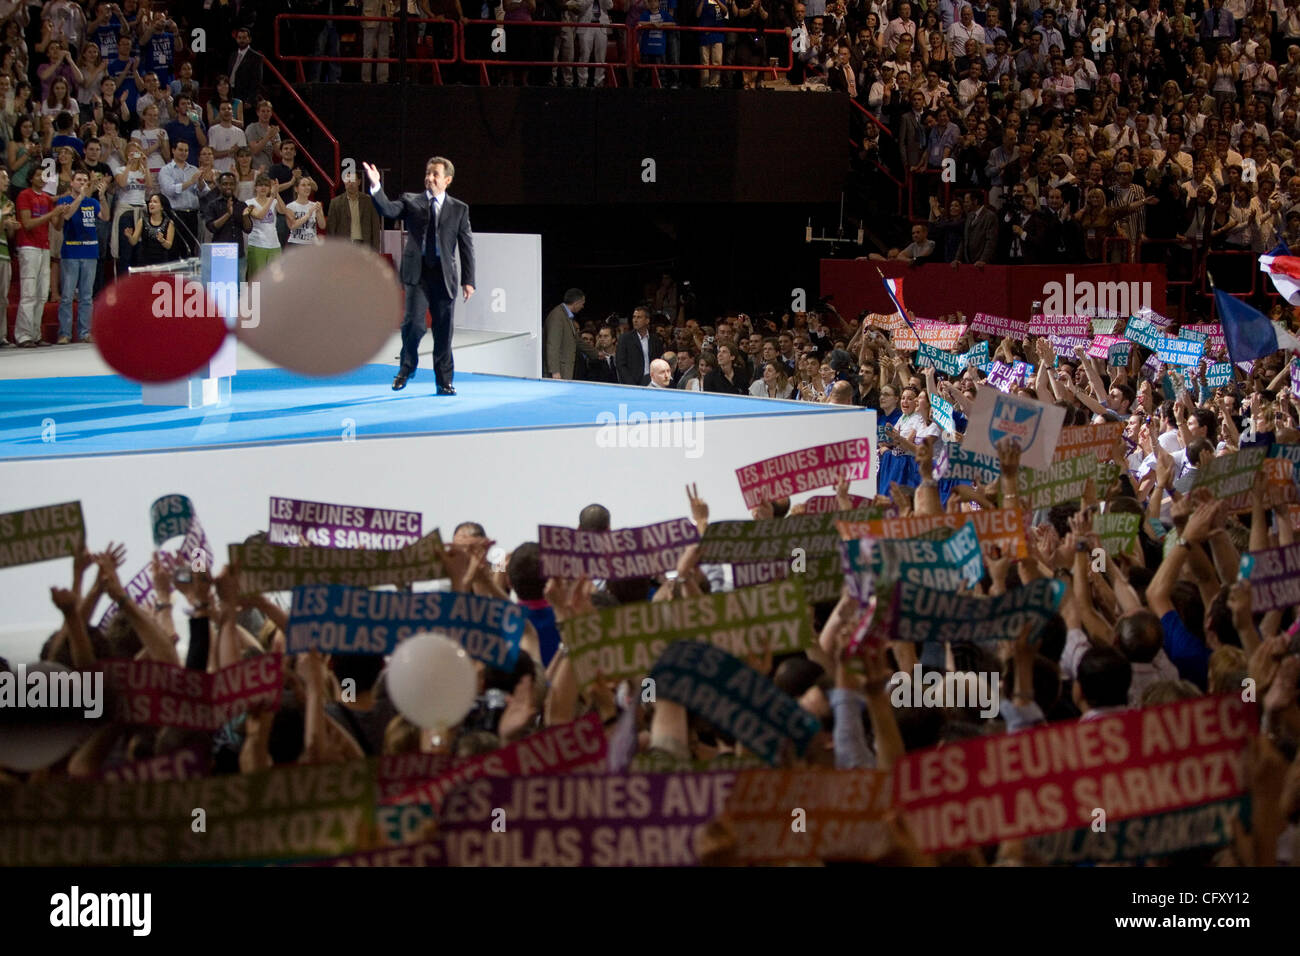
{"points": [[438, 230]]}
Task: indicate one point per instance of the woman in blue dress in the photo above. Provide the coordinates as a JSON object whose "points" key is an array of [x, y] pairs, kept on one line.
{"points": [[915, 426], [887, 416]]}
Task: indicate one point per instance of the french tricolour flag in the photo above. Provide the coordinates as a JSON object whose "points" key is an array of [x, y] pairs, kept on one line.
{"points": [[894, 289], [1284, 269]]}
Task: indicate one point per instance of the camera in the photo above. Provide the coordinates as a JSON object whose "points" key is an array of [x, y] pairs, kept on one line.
{"points": [[487, 710]]}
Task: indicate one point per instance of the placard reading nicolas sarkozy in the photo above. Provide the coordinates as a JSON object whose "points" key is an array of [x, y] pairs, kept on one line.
{"points": [[40, 534], [615, 555], [927, 614], [274, 567], [821, 466], [337, 619], [625, 641]]}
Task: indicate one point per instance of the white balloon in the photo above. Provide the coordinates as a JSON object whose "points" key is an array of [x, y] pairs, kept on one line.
{"points": [[432, 681], [323, 309]]}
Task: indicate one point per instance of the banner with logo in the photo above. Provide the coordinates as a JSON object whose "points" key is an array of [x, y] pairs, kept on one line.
{"points": [[295, 522], [1034, 425], [338, 619], [41, 534], [734, 698], [821, 466], [615, 555], [277, 567], [621, 642], [1131, 763]]}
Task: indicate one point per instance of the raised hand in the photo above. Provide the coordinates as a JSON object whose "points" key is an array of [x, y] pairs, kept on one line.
{"points": [[699, 507]]}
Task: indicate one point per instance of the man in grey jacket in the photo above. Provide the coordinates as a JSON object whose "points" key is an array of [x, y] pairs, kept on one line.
{"points": [[560, 340]]}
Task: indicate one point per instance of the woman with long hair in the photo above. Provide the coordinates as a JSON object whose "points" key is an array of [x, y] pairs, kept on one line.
{"points": [[259, 224], [773, 384], [134, 183], [60, 99], [1225, 75], [245, 174], [23, 155], [729, 377], [221, 95], [93, 67], [59, 65], [936, 55], [154, 234]]}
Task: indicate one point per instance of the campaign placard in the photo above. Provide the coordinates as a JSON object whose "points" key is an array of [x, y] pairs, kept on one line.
{"points": [[615, 555], [1096, 440], [1233, 475], [1003, 528], [599, 820], [338, 619], [822, 575], [733, 697], [1101, 345], [1144, 333], [1220, 373], [157, 694], [769, 539], [187, 763], [1180, 351], [1118, 532], [294, 522], [967, 465], [625, 641], [286, 813], [1131, 763], [999, 325], [827, 504], [579, 746], [1274, 575], [1058, 483], [941, 412], [950, 564], [822, 466], [41, 534], [1215, 341], [802, 816], [1035, 426], [1006, 377], [941, 335], [171, 516], [941, 360], [278, 567], [1060, 325], [1064, 345], [928, 614], [977, 357], [1142, 838]]}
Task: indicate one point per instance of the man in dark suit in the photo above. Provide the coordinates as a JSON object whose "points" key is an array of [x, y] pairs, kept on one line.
{"points": [[437, 227], [637, 349], [979, 241], [602, 367], [245, 68]]}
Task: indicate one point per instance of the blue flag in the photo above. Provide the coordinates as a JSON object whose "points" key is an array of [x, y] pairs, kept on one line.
{"points": [[1281, 249], [1248, 332]]}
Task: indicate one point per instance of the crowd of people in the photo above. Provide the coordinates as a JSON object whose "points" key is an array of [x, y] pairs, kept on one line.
{"points": [[1170, 621], [178, 147], [1093, 132]]}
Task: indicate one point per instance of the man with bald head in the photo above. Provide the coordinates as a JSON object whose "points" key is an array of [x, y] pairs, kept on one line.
{"points": [[661, 374]]}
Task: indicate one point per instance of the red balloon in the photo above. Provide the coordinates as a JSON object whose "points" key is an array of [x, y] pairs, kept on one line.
{"points": [[156, 328]]}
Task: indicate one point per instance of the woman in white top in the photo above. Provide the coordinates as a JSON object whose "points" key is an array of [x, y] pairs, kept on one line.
{"points": [[306, 218], [259, 224], [60, 100], [153, 140], [134, 182], [245, 174], [773, 384], [93, 67], [913, 428]]}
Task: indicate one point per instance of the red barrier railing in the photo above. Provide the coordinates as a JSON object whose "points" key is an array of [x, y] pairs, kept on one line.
{"points": [[872, 118], [769, 67], [298, 60], [508, 61], [331, 178]]}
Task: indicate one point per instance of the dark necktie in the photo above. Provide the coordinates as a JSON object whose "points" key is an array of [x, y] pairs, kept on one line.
{"points": [[431, 236]]}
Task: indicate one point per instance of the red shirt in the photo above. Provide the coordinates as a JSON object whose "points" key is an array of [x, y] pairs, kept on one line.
{"points": [[37, 204]]}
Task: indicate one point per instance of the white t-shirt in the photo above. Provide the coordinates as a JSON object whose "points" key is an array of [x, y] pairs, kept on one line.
{"points": [[132, 194], [151, 141], [220, 138], [305, 234], [263, 234]]}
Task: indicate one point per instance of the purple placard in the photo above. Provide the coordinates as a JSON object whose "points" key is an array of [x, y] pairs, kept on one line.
{"points": [[1274, 575], [1065, 344], [295, 522], [998, 325], [825, 504], [633, 819], [1214, 332], [1005, 377], [1060, 325], [615, 555]]}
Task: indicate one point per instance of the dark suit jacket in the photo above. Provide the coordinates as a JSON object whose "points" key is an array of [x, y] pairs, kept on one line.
{"points": [[247, 80], [454, 233], [338, 221], [911, 138], [629, 359], [979, 236], [598, 370]]}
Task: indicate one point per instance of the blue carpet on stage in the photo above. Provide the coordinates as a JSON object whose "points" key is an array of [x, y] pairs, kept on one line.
{"points": [[102, 414]]}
